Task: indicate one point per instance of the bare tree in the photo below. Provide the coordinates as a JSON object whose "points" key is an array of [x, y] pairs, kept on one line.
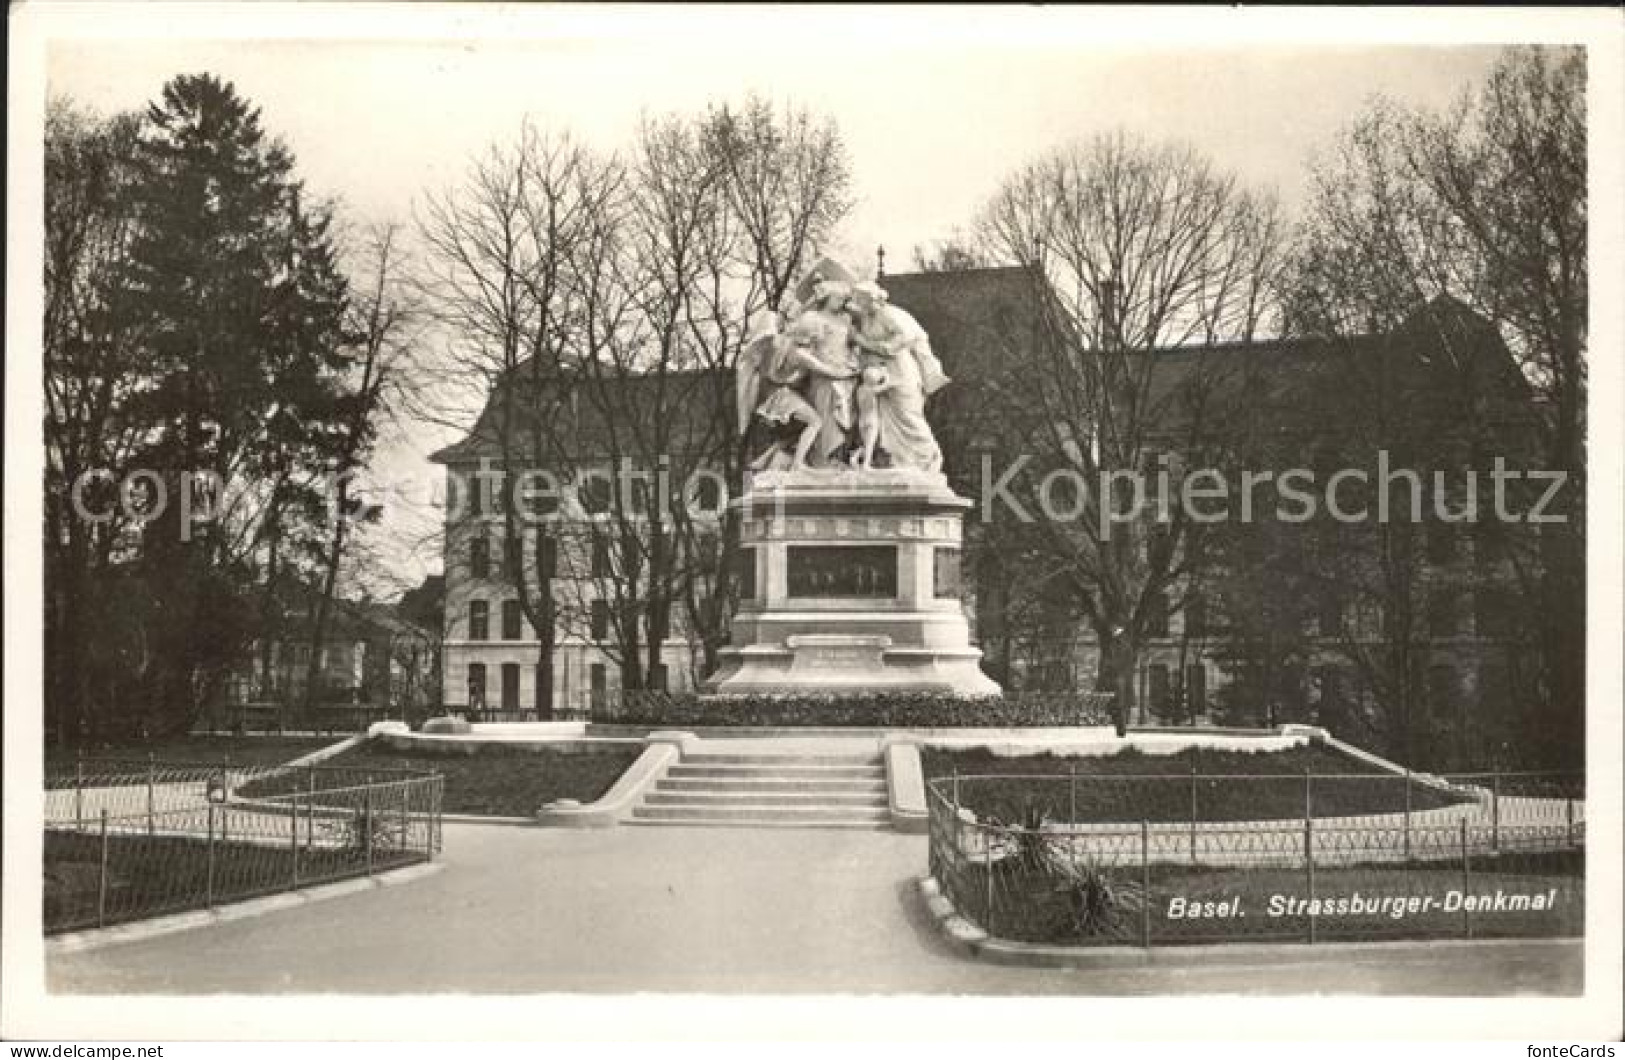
{"points": [[508, 269], [1149, 258], [381, 325], [92, 373], [1485, 206]]}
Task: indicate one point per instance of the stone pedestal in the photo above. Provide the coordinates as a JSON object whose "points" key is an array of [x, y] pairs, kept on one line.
{"points": [[850, 585]]}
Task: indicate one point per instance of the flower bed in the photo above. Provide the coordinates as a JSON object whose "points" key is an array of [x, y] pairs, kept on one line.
{"points": [[1025, 710]]}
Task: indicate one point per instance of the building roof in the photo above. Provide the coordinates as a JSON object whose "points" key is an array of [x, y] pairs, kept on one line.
{"points": [[598, 417], [976, 319]]}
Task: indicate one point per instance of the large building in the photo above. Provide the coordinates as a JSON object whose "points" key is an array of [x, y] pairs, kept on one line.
{"points": [[1206, 653]]}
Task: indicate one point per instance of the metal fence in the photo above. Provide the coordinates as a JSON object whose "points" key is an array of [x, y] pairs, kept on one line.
{"points": [[1063, 859], [132, 839]]}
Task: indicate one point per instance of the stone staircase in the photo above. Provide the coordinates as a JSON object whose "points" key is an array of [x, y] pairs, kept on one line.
{"points": [[783, 789]]}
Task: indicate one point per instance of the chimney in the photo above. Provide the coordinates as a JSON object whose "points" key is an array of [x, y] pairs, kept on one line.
{"points": [[880, 263]]}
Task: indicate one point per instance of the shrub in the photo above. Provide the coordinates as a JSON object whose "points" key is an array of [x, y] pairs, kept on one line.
{"points": [[879, 710]]}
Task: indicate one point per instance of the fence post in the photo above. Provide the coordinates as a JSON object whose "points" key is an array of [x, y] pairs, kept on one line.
{"points": [[1466, 883], [1145, 883], [1495, 812], [366, 820], [310, 807], [987, 872], [1308, 795], [1072, 796], [208, 892], [1407, 813], [1193, 813], [150, 789], [293, 838], [101, 879], [1568, 812], [405, 790], [79, 791], [1309, 866]]}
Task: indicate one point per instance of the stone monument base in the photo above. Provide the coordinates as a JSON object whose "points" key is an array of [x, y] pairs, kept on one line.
{"points": [[850, 585]]}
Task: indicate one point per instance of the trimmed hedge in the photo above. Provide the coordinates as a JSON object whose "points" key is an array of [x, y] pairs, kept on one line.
{"points": [[913, 711]]}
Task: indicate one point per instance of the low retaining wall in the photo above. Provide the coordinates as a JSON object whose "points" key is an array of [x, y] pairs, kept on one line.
{"points": [[476, 741], [616, 803]]}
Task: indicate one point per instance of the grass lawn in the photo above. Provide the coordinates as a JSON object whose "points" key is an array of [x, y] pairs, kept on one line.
{"points": [[151, 876], [200, 750], [1194, 905], [505, 781], [1133, 786]]}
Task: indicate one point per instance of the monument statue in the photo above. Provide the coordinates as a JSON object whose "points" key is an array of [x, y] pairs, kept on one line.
{"points": [[850, 533], [838, 345]]}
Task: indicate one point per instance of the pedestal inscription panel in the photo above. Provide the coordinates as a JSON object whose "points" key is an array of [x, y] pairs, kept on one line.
{"points": [[853, 571]]}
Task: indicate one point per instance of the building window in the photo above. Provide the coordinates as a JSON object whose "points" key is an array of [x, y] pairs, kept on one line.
{"points": [[1443, 690], [1160, 700], [1156, 618], [600, 620], [510, 686], [479, 557], [1196, 688], [1441, 543], [1330, 617], [1195, 618], [600, 558], [594, 491], [599, 678], [547, 555], [479, 620], [1441, 613], [475, 485], [1493, 612], [510, 620], [476, 686]]}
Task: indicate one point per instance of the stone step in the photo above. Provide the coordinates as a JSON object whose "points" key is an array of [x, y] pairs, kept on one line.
{"points": [[809, 814], [782, 759], [736, 771], [773, 782], [745, 823], [660, 797]]}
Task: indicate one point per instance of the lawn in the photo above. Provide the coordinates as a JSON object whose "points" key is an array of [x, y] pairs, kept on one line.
{"points": [[197, 750], [1132, 786], [151, 876], [503, 781]]}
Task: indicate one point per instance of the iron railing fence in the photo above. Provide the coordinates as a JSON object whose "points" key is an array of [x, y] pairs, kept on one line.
{"points": [[126, 840], [1502, 800], [1462, 869]]}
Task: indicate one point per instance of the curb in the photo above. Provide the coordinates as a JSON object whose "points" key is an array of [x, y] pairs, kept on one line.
{"points": [[475, 818], [97, 938], [968, 940]]}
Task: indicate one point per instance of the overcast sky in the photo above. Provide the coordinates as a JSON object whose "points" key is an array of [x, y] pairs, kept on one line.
{"points": [[932, 119]]}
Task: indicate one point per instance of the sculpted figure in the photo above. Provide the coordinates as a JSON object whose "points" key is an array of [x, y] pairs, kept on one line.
{"points": [[785, 363], [899, 372], [825, 330]]}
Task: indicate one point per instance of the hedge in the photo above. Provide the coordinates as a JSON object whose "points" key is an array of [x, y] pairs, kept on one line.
{"points": [[879, 710]]}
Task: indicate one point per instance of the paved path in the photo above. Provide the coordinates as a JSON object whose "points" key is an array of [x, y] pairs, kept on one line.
{"points": [[522, 911]]}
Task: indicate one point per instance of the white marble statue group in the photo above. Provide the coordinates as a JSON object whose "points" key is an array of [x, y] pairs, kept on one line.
{"points": [[840, 360]]}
